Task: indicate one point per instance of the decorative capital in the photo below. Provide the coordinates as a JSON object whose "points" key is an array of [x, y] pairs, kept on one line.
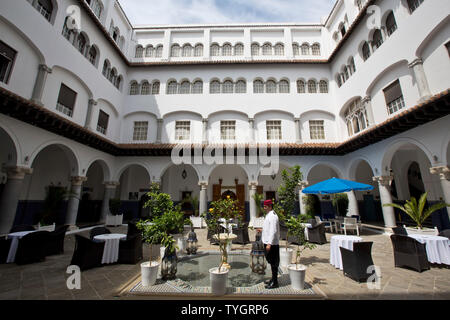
{"points": [[77, 180], [111, 184], [160, 120], [415, 62], [383, 180], [203, 184], [303, 184], [205, 120], [45, 68], [297, 119], [367, 99], [253, 184], [93, 102], [442, 171], [16, 172]]}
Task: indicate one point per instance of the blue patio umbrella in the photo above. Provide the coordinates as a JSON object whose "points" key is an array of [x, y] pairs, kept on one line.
{"points": [[335, 185]]}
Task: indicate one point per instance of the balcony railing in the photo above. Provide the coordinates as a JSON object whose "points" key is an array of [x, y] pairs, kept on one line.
{"points": [[62, 108]]}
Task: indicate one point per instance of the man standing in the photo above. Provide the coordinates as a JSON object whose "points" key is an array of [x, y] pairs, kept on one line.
{"points": [[271, 238]]}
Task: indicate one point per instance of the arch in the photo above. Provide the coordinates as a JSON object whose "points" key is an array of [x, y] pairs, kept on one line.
{"points": [[423, 45], [165, 115], [354, 164], [274, 110], [103, 164], [137, 112], [116, 111], [68, 151], [85, 86], [94, 54], [347, 104], [170, 165], [319, 111], [326, 164], [11, 139], [126, 166], [382, 73], [216, 166], [227, 111]]}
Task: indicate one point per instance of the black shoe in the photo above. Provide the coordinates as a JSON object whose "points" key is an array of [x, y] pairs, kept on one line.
{"points": [[267, 282], [272, 285]]}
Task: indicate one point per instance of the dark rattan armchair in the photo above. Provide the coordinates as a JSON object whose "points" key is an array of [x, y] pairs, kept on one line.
{"points": [[400, 230], [316, 234], [32, 247], [55, 243], [445, 233], [356, 262], [21, 227], [242, 234], [98, 231], [132, 229], [130, 250], [409, 252], [87, 254], [5, 245]]}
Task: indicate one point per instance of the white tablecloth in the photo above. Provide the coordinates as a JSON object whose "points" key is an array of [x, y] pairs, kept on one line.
{"points": [[111, 250], [341, 241], [15, 244], [438, 248]]}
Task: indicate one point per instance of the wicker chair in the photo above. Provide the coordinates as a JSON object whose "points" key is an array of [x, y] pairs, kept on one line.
{"points": [[55, 243], [409, 252], [21, 227], [98, 231], [130, 250], [242, 234], [87, 254], [132, 229], [32, 247], [400, 230], [445, 233], [356, 262], [316, 234], [5, 244]]}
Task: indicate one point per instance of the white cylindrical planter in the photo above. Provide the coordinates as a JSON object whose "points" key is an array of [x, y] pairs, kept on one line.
{"points": [[149, 273], [218, 281], [297, 276], [285, 257]]}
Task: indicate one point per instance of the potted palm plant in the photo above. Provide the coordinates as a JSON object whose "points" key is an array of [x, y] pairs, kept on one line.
{"points": [[297, 271], [417, 213], [197, 220]]}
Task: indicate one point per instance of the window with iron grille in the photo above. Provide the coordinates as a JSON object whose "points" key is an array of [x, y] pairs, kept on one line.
{"points": [[377, 40], [175, 52], [158, 52], [284, 86], [134, 89], [305, 49], [139, 52], [255, 49], [44, 7], [391, 24], [198, 52], [185, 87], [227, 50], [271, 87], [279, 50], [366, 51], [241, 86], [301, 86], [92, 55], [316, 129], [414, 4], [296, 49], [140, 130], [182, 130], [312, 86], [172, 87], [228, 130], [187, 50], [215, 50], [214, 87], [267, 49], [155, 87], [66, 100], [239, 50], [197, 87], [102, 124], [394, 97], [149, 51], [227, 87], [316, 50], [273, 128], [7, 59], [323, 86], [145, 90]]}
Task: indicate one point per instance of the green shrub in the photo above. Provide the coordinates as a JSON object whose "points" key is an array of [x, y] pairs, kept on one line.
{"points": [[340, 203]]}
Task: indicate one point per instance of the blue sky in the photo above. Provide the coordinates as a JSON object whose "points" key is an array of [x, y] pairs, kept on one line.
{"points": [[225, 11]]}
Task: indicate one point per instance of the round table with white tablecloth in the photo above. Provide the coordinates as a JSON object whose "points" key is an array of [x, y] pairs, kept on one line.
{"points": [[341, 241], [15, 236], [438, 248], [111, 250]]}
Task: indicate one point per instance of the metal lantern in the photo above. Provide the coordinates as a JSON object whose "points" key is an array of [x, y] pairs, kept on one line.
{"points": [[169, 265], [192, 242], [258, 260]]}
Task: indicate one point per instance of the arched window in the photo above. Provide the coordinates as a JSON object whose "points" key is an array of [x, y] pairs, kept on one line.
{"points": [[366, 51], [339, 80], [112, 75], [197, 87], [172, 87], [92, 55], [227, 49], [346, 74], [66, 32], [267, 49], [118, 82], [149, 51], [414, 4], [97, 7], [241, 86], [145, 89], [139, 52], [391, 24], [316, 49], [187, 50], [175, 51], [155, 87], [312, 86], [158, 52], [214, 87], [239, 49], [227, 86], [255, 49], [301, 86], [134, 88], [377, 40], [356, 117], [258, 86], [284, 86], [271, 86], [215, 50], [352, 65], [305, 49], [185, 87], [198, 52], [296, 49], [81, 43], [279, 49], [45, 7], [323, 86], [105, 68]]}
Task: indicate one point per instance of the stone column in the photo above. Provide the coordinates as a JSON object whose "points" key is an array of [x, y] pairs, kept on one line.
{"points": [[247, 44], [298, 132], [444, 173], [110, 191], [90, 115], [205, 131], [301, 196], [166, 46], [288, 50], [421, 79], [39, 85], [253, 210], [206, 44], [251, 125], [159, 130], [384, 183], [203, 202], [353, 209], [74, 201], [10, 196], [367, 102]]}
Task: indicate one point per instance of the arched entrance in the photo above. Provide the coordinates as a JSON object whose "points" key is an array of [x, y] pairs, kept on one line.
{"points": [[368, 201]]}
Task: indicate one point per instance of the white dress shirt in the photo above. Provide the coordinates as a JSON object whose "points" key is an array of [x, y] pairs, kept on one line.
{"points": [[271, 229]]}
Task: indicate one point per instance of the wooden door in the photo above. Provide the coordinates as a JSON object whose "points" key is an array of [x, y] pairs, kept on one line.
{"points": [[240, 193], [260, 189], [217, 192]]}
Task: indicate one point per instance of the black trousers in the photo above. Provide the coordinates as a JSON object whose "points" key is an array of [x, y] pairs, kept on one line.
{"points": [[273, 258]]}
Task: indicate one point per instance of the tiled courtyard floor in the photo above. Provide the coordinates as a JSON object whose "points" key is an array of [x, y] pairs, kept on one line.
{"points": [[47, 280]]}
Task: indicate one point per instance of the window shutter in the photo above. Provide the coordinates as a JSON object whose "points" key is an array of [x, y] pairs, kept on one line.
{"points": [[67, 97], [393, 92]]}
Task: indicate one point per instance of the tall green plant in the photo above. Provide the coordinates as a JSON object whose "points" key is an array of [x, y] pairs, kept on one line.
{"points": [[416, 210], [312, 205], [158, 202], [296, 228], [287, 190], [258, 198], [340, 203]]}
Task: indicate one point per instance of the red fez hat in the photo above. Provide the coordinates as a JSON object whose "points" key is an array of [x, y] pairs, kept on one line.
{"points": [[268, 203]]}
